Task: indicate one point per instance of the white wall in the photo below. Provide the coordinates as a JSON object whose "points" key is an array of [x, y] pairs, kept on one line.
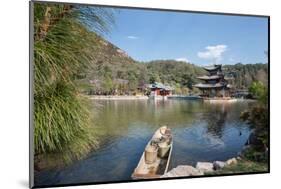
{"points": [[14, 70]]}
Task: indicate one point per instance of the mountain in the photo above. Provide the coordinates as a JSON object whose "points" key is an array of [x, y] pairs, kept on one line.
{"points": [[111, 68], [113, 71]]}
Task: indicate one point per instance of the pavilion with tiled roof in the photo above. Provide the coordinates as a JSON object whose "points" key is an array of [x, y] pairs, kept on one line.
{"points": [[159, 89], [214, 84]]}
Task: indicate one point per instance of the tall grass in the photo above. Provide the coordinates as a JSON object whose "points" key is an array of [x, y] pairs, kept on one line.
{"points": [[63, 46]]}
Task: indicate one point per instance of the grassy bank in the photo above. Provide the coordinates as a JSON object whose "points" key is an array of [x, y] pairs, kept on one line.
{"points": [[242, 166]]}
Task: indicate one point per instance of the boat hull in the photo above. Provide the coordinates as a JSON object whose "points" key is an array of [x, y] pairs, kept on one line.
{"points": [[155, 169]]}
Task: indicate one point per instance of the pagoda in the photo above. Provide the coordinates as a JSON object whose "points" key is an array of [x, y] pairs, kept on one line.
{"points": [[214, 85]]}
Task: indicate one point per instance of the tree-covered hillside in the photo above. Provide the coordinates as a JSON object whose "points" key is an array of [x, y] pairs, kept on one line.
{"points": [[245, 74], [113, 71], [174, 72]]}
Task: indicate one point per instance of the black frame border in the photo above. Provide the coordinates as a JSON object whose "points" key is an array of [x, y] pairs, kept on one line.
{"points": [[31, 128]]}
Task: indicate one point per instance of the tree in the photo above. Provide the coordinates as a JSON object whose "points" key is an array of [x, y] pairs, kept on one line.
{"points": [[257, 117], [188, 81], [259, 91], [133, 82], [63, 46], [154, 78]]}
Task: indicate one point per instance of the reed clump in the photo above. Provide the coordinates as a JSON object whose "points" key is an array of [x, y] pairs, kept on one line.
{"points": [[63, 46]]}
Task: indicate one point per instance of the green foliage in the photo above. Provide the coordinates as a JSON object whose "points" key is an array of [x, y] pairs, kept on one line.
{"points": [[107, 85], [245, 74], [63, 47], [172, 72], [257, 117], [61, 121], [253, 154], [259, 91]]}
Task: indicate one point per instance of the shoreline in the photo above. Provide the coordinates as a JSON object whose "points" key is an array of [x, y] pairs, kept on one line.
{"points": [[201, 168], [113, 97], [235, 165], [171, 97], [231, 166]]}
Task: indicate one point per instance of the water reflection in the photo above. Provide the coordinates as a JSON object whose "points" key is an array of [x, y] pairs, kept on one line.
{"points": [[202, 132], [216, 120]]}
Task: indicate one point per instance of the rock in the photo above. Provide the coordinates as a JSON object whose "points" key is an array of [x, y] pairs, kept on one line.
{"points": [[231, 161], [205, 166], [218, 164], [182, 171]]}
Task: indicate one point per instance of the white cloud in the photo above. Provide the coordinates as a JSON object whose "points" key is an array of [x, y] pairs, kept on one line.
{"points": [[183, 59], [132, 37], [213, 52]]}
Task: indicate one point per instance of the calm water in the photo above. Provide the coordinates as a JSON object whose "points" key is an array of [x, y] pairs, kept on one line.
{"points": [[202, 132]]}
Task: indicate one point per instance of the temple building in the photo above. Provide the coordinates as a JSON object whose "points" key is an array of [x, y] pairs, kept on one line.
{"points": [[214, 84], [158, 89]]}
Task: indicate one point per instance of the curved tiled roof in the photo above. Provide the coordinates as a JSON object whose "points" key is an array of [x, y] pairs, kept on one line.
{"points": [[212, 77], [213, 67], [161, 86]]}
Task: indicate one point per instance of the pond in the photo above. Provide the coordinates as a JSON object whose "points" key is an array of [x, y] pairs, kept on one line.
{"points": [[201, 131]]}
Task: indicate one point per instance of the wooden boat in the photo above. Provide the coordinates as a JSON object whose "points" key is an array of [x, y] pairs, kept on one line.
{"points": [[153, 165]]}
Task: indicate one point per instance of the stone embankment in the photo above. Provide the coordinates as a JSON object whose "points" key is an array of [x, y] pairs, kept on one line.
{"points": [[200, 169]]}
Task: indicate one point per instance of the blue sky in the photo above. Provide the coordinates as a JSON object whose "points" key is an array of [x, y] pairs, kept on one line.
{"points": [[197, 38]]}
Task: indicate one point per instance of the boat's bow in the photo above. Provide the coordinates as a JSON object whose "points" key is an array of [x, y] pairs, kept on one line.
{"points": [[155, 159]]}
